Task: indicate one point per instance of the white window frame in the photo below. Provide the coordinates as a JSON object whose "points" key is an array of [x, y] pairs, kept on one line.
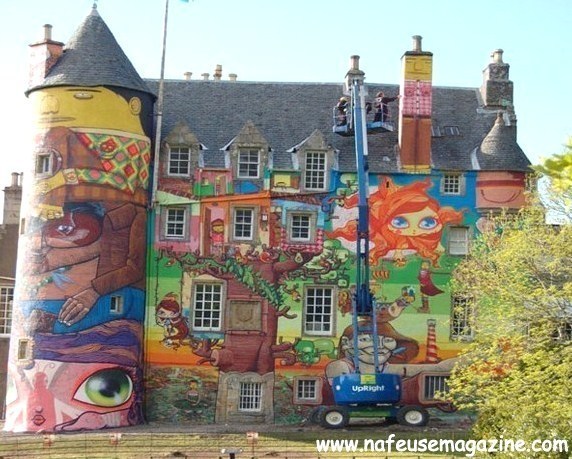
{"points": [[462, 316], [304, 387], [116, 304], [238, 213], [245, 158], [458, 240], [250, 397], [316, 171], [6, 308], [319, 310], [175, 227], [294, 224], [178, 167], [208, 311], [452, 184]]}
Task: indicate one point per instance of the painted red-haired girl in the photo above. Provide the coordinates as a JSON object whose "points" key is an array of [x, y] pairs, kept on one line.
{"points": [[402, 219]]}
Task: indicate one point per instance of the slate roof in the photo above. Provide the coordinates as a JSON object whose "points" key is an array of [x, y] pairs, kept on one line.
{"points": [[92, 57], [287, 113]]}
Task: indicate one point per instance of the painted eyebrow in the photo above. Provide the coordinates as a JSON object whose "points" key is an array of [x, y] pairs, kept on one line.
{"points": [[82, 89]]}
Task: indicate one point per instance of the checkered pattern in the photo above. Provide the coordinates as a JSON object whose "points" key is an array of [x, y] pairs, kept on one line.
{"points": [[417, 98], [310, 247], [124, 161]]}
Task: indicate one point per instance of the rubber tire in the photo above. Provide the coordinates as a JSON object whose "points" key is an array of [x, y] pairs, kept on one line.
{"points": [[334, 417], [412, 416], [316, 415]]}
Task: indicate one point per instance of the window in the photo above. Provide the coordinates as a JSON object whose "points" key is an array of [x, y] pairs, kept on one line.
{"points": [[180, 161], [434, 385], [315, 171], [175, 223], [451, 131], [436, 131], [250, 397], [318, 310], [6, 298], [462, 315], [23, 349], [452, 184], [300, 229], [207, 307], [243, 224], [44, 163], [116, 305], [458, 240], [248, 164], [563, 332], [306, 389]]}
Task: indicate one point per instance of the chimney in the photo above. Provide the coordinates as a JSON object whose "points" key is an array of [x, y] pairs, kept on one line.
{"points": [[353, 74], [217, 75], [415, 109], [12, 200], [187, 75], [497, 89], [232, 76], [43, 56], [205, 76]]}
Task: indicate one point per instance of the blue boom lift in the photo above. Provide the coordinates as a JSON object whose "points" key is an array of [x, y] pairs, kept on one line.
{"points": [[360, 394]]}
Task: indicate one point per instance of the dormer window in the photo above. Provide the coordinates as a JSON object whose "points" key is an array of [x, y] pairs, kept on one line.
{"points": [[249, 164], [179, 161], [315, 178]]}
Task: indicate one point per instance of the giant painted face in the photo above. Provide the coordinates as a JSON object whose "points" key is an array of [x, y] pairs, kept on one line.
{"points": [[69, 396], [74, 229], [426, 221]]}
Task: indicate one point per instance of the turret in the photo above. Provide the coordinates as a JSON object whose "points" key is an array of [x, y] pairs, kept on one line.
{"points": [[75, 357]]}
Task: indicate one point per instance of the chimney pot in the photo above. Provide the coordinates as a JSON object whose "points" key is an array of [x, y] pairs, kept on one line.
{"points": [[354, 62], [497, 56], [47, 32], [187, 75], [15, 178], [417, 43], [205, 76], [232, 76], [217, 75]]}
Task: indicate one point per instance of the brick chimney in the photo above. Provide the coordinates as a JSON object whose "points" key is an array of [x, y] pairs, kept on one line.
{"points": [[415, 109], [497, 89], [43, 56]]}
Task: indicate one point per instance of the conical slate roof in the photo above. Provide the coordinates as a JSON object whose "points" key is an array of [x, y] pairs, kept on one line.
{"points": [[499, 149], [92, 57]]}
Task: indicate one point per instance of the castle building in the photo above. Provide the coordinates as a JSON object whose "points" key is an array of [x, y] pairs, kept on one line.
{"points": [[224, 294]]}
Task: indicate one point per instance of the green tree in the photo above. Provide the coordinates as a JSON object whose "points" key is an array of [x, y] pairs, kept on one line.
{"points": [[517, 373], [559, 168]]}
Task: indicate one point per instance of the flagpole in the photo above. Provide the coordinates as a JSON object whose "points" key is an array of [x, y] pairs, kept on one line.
{"points": [[159, 119]]}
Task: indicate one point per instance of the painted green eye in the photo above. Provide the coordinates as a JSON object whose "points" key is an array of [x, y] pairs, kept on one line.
{"points": [[111, 387]]}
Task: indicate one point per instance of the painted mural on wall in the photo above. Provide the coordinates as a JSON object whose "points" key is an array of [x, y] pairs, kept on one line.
{"points": [[254, 330], [80, 292]]}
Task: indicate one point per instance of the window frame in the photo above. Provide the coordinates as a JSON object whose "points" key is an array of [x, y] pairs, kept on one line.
{"points": [[464, 316], [445, 186], [6, 309], [312, 218], [248, 163], [171, 162], [451, 242], [221, 306], [116, 304], [302, 400], [311, 173], [253, 397], [182, 223], [309, 328], [47, 160], [252, 223], [429, 390]]}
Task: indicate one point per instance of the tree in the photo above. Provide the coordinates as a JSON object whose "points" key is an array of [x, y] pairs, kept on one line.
{"points": [[517, 373], [559, 168]]}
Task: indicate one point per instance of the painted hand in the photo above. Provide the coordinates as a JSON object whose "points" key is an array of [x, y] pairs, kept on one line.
{"points": [[77, 307]]}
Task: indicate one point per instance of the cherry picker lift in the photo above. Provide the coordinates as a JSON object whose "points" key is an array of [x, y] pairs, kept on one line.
{"points": [[358, 394]]}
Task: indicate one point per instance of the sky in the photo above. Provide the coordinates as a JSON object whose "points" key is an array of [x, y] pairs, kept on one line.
{"points": [[312, 41]]}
